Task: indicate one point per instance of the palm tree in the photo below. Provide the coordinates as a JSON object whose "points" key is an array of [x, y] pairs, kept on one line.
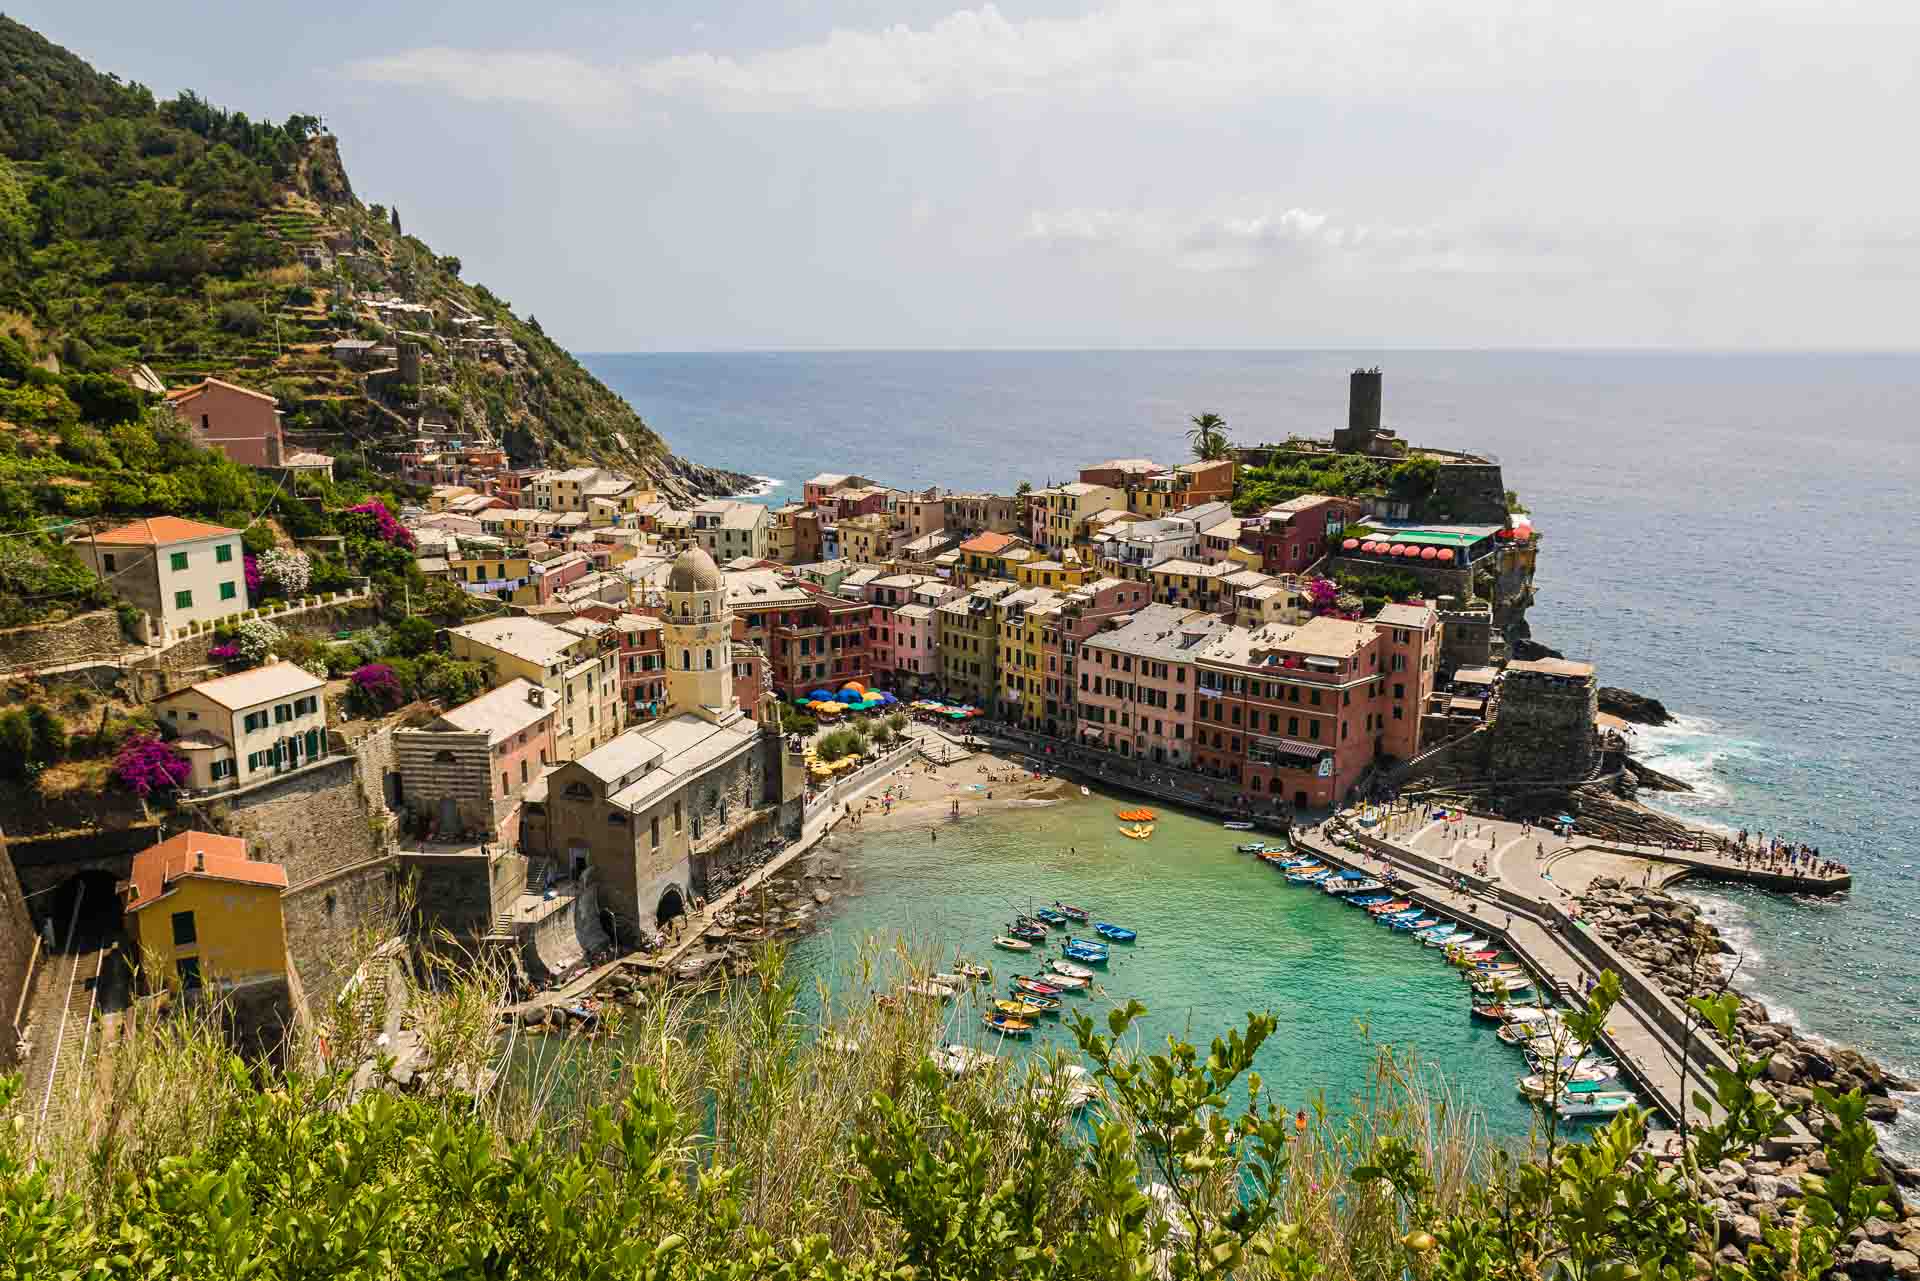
{"points": [[1208, 435]]}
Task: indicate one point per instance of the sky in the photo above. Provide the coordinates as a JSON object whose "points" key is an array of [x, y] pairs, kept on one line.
{"points": [[803, 174]]}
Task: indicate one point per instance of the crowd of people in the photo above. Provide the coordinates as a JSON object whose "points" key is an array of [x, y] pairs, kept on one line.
{"points": [[1795, 858]]}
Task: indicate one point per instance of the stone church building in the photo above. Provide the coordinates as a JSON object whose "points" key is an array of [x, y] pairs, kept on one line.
{"points": [[682, 807]]}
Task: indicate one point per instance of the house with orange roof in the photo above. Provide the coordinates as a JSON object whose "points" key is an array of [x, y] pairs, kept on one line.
{"points": [[202, 912], [989, 556], [241, 423], [178, 571]]}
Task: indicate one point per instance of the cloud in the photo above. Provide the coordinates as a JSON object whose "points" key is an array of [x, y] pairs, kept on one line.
{"points": [[1170, 53]]}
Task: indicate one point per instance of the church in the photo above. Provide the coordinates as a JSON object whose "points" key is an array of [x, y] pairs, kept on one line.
{"points": [[681, 807]]}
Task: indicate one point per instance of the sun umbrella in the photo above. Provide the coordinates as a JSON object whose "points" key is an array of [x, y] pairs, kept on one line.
{"points": [[820, 696]]}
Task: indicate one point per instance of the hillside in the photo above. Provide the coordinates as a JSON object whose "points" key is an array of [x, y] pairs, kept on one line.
{"points": [[198, 242]]}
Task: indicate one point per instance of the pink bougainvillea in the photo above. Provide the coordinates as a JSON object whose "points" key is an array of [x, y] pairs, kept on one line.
{"points": [[385, 526], [221, 653], [1322, 594], [375, 687], [146, 765], [254, 581]]}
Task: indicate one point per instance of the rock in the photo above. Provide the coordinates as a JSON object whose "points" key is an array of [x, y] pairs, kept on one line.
{"points": [[1746, 1230], [1870, 1262], [1878, 1231], [1766, 1187], [1906, 1264], [1882, 1110], [1788, 1185], [1781, 1068], [823, 897], [1817, 1162]]}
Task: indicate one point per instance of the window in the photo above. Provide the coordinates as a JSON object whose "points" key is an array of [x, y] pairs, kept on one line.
{"points": [[189, 969], [184, 934], [228, 591], [1313, 729], [282, 713], [107, 561], [676, 816], [254, 721], [523, 773], [223, 553], [655, 824], [616, 818], [183, 600], [178, 560]]}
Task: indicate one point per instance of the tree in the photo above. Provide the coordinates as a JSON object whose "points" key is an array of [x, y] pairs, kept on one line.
{"points": [[413, 637], [146, 765], [16, 743], [394, 215], [49, 735], [1208, 436]]}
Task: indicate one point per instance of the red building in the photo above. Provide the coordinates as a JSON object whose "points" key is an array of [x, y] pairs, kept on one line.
{"points": [[241, 423], [1298, 532], [1296, 716], [1080, 612], [821, 644]]}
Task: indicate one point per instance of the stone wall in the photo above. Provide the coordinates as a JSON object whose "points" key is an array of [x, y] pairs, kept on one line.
{"points": [[563, 935], [1542, 728], [185, 661], [331, 921], [448, 778], [88, 636], [1467, 494], [1466, 639], [1434, 578], [313, 823], [453, 892], [1464, 757], [16, 953]]}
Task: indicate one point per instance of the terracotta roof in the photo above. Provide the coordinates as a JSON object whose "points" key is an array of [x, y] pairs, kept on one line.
{"points": [[187, 393], [217, 858], [988, 544], [157, 531]]}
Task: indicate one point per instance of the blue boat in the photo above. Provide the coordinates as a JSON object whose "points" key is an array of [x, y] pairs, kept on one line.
{"points": [[1417, 923], [1371, 900], [1050, 916], [1117, 933], [1086, 950], [1252, 847], [1410, 914], [1438, 931], [1309, 877]]}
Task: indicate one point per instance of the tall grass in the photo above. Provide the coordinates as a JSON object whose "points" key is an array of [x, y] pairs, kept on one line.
{"points": [[770, 1093]]}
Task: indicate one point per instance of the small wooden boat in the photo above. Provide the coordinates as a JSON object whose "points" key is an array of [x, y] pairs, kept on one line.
{"points": [[1370, 900], [1393, 905], [1069, 969], [1136, 815], [1034, 933], [968, 969], [1060, 982], [1140, 833], [1073, 913], [1445, 930], [1309, 876], [1522, 1033], [1353, 887], [1458, 944], [1006, 1025], [1012, 944], [932, 991], [1036, 922], [1503, 986], [1027, 1009], [1251, 847], [1035, 987], [1085, 952], [957, 982], [1416, 923], [1089, 945], [1115, 933], [1593, 1080], [1238, 827], [1050, 916]]}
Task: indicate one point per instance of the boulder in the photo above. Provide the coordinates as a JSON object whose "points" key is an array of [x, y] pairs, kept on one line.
{"points": [[1766, 1187], [1746, 1230], [1906, 1265], [1870, 1262], [1629, 706], [1782, 1068], [1878, 1231]]}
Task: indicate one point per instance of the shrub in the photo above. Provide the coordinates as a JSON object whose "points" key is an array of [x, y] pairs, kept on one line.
{"points": [[146, 765], [413, 637], [225, 652], [289, 571], [374, 689], [243, 318], [257, 638], [16, 743]]}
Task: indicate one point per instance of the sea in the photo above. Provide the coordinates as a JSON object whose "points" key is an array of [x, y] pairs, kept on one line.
{"points": [[1737, 535]]}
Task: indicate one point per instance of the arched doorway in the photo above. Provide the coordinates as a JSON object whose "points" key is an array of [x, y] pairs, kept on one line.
{"points": [[670, 906]]}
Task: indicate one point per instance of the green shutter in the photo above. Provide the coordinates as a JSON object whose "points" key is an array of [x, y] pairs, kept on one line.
{"points": [[223, 553], [183, 600], [228, 591], [178, 560]]}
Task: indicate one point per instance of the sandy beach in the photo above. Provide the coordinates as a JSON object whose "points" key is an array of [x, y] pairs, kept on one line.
{"points": [[927, 795]]}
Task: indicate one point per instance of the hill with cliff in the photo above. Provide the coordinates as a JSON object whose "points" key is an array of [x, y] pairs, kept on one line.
{"points": [[194, 241]]}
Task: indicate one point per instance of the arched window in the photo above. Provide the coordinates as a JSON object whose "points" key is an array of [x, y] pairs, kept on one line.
{"points": [[686, 660], [579, 790], [709, 660], [706, 610], [443, 757]]}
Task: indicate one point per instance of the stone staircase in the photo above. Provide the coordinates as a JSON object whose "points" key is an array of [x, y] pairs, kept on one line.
{"points": [[537, 875]]}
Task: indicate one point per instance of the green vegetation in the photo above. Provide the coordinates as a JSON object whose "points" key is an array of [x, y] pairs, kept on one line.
{"points": [[713, 1138], [851, 740], [1336, 475], [1208, 436], [1377, 588]]}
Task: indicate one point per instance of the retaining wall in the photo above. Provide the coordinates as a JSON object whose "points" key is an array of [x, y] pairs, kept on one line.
{"points": [[87, 636]]}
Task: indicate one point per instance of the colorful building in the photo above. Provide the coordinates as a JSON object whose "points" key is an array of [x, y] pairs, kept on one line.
{"points": [[1138, 684], [969, 643], [202, 913], [1021, 661], [643, 684], [243, 728], [580, 673], [1060, 514], [1289, 537], [1152, 490], [177, 571], [466, 774]]}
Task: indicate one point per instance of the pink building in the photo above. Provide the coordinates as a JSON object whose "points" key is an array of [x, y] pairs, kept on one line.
{"points": [[240, 423], [1137, 684], [643, 666], [1080, 612], [468, 772], [1298, 532]]}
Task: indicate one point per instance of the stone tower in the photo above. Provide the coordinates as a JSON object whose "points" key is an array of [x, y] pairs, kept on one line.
{"points": [[697, 631]]}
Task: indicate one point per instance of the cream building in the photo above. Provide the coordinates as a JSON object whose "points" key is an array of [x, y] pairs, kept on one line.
{"points": [[242, 728], [579, 668], [177, 571]]}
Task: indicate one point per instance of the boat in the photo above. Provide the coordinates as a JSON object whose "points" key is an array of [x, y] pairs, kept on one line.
{"points": [[1012, 944], [932, 991], [1071, 912], [1370, 900], [1309, 876], [1584, 1081], [1088, 952], [1061, 982], [1069, 969], [1026, 1009], [1521, 1033], [1115, 933], [1474, 959], [1251, 847], [1238, 827], [1140, 833], [967, 969], [1392, 905], [960, 1060], [1417, 923], [1353, 887], [1035, 987], [1085, 790], [1458, 943], [1136, 815], [1035, 921], [1074, 1084], [1575, 1107], [1444, 930], [1006, 1024], [1503, 985], [1404, 914], [1050, 916], [1031, 933]]}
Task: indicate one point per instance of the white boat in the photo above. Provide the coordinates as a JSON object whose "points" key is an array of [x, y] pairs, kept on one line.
{"points": [[961, 1060], [1464, 942], [1532, 1014], [1085, 792], [1070, 969], [1065, 982], [931, 990], [1074, 1083], [955, 981], [1238, 827], [1576, 1107], [1540, 1084]]}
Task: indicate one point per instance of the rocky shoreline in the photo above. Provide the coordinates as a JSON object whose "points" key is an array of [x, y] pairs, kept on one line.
{"points": [[684, 482], [1672, 943]]}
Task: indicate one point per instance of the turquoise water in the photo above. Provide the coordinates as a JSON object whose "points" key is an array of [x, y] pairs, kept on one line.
{"points": [[1221, 933]]}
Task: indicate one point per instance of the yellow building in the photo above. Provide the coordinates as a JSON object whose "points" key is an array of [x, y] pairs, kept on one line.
{"points": [[991, 557], [1058, 575], [579, 669], [203, 912], [968, 628], [1021, 660]]}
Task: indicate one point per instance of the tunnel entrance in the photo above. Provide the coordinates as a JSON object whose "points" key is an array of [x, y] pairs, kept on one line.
{"points": [[85, 911], [670, 907]]}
